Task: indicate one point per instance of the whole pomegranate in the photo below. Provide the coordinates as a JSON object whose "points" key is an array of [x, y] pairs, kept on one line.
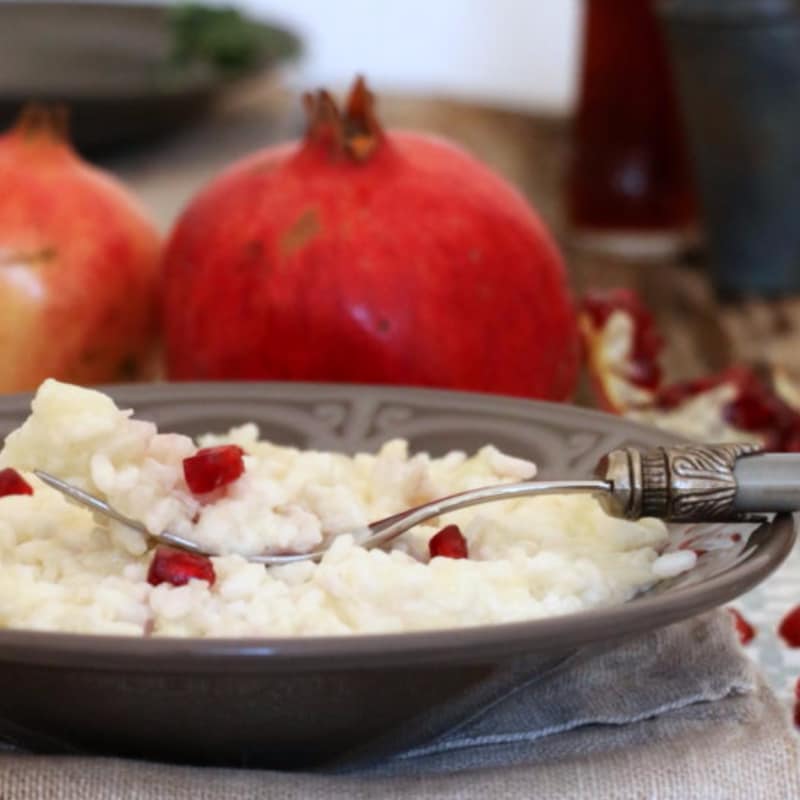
{"points": [[78, 264], [358, 255]]}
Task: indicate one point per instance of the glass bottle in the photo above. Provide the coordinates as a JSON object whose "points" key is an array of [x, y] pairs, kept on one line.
{"points": [[629, 188]]}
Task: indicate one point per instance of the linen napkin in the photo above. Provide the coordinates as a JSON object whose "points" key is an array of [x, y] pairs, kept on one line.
{"points": [[680, 712]]}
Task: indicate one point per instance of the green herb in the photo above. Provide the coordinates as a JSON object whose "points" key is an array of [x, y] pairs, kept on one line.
{"points": [[226, 39]]}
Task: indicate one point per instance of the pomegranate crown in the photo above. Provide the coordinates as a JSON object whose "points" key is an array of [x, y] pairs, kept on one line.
{"points": [[354, 133], [38, 121]]}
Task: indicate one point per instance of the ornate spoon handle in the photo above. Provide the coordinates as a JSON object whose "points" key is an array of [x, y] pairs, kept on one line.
{"points": [[700, 483]]}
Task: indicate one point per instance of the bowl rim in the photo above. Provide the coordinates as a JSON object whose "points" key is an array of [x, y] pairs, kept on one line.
{"points": [[774, 541], [255, 389]]}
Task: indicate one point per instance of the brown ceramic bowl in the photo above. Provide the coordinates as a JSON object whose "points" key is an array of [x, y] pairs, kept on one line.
{"points": [[303, 701]]}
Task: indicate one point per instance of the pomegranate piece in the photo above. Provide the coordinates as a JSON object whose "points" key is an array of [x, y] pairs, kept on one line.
{"points": [[624, 364], [745, 630], [647, 344], [756, 407], [789, 629], [213, 467], [11, 482], [676, 394], [449, 542], [178, 567]]}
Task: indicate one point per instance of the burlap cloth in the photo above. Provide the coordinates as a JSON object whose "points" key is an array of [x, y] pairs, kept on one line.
{"points": [[678, 713]]}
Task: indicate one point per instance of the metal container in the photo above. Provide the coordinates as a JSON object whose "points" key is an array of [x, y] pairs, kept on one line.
{"points": [[737, 68]]}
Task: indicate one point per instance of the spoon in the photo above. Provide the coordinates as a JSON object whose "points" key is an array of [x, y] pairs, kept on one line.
{"points": [[689, 483]]}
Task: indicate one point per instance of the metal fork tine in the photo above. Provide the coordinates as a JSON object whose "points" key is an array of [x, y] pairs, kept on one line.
{"points": [[88, 500], [100, 506]]}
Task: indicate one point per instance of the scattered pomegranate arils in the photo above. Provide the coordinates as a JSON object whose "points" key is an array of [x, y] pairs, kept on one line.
{"points": [[789, 629], [178, 567], [11, 482], [745, 630], [624, 367], [213, 467], [449, 542], [756, 407]]}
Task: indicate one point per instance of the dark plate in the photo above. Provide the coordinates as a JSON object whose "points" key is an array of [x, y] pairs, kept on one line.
{"points": [[296, 702], [127, 73]]}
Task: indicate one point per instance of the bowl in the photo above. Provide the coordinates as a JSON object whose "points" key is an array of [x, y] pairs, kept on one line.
{"points": [[128, 73], [301, 702]]}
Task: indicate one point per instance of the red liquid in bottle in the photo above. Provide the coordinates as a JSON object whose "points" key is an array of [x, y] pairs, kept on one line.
{"points": [[630, 170]]}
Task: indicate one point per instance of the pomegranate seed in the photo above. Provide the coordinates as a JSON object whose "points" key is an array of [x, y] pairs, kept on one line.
{"points": [[213, 467], [753, 409], [797, 703], [745, 630], [11, 482], [178, 567], [789, 628], [448, 543]]}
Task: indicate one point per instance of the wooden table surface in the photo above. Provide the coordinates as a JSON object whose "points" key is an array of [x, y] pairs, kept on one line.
{"points": [[531, 151]]}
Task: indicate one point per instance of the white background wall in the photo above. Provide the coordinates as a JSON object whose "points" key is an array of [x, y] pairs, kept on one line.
{"points": [[521, 53], [514, 52]]}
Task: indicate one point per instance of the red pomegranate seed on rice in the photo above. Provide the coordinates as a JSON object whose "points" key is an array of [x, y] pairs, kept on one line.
{"points": [[178, 567], [213, 467], [11, 482], [448, 543]]}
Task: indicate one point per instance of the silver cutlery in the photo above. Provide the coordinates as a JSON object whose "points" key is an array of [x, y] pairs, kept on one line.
{"points": [[685, 483]]}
